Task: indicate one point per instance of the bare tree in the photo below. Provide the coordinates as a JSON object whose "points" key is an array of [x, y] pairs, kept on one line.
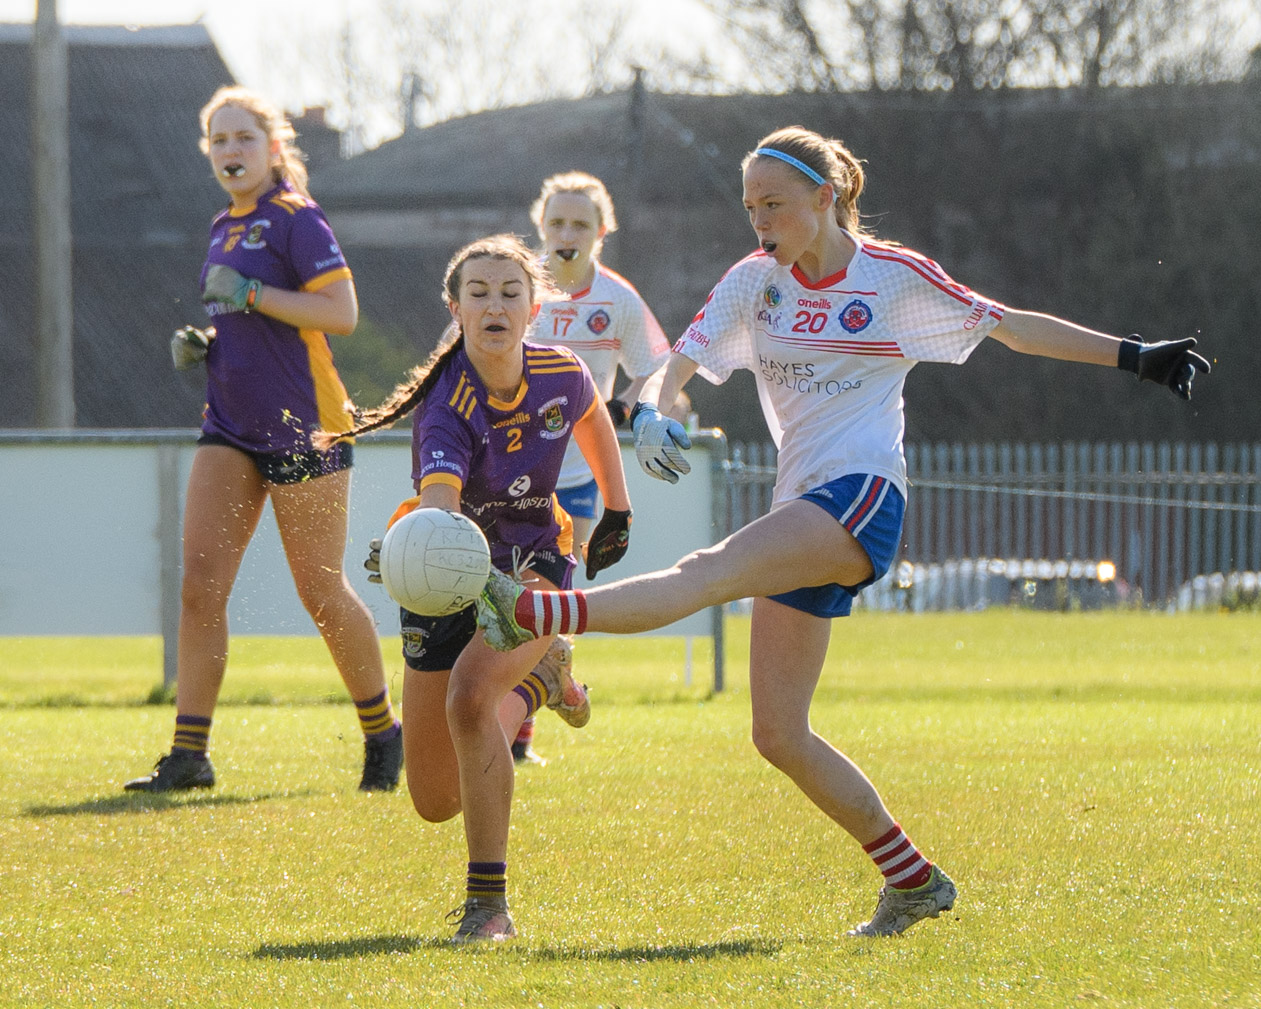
{"points": [[966, 45]]}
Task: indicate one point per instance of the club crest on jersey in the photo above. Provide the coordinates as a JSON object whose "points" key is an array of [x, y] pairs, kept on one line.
{"points": [[855, 317], [554, 423], [254, 239], [598, 321], [772, 296]]}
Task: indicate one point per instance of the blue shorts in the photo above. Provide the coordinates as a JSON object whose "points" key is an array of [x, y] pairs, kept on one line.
{"points": [[871, 509], [432, 644], [579, 501]]}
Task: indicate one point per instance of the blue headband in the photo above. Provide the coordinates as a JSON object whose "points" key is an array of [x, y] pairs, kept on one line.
{"points": [[788, 159]]}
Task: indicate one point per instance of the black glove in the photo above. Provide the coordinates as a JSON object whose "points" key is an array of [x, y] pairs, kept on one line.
{"points": [[373, 563], [618, 411], [609, 541], [189, 347], [1169, 362]]}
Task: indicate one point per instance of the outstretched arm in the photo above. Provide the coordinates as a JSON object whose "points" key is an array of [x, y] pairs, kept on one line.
{"points": [[1047, 336], [1172, 363]]}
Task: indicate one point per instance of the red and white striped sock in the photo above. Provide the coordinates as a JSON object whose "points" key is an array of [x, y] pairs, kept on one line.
{"points": [[546, 613], [899, 861]]}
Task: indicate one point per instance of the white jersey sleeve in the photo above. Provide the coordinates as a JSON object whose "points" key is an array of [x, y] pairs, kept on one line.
{"points": [[720, 338], [644, 347], [933, 317]]}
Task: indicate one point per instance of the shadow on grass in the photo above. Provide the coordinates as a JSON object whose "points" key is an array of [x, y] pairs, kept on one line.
{"points": [[378, 944], [147, 802], [680, 953], [373, 945]]}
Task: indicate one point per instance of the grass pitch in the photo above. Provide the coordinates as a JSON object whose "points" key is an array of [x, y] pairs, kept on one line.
{"points": [[1090, 781]]}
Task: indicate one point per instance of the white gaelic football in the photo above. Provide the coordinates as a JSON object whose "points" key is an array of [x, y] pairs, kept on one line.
{"points": [[434, 562]]}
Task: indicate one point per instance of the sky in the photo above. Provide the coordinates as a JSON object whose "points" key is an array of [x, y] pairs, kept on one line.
{"points": [[550, 62], [650, 27]]}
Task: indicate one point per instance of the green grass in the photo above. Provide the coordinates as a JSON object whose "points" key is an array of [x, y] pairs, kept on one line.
{"points": [[1090, 781]]}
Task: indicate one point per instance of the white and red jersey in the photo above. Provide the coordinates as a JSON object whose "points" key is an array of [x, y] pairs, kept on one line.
{"points": [[830, 358], [606, 325]]}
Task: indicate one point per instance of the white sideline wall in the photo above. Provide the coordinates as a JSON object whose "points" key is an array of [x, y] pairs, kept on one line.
{"points": [[90, 533]]}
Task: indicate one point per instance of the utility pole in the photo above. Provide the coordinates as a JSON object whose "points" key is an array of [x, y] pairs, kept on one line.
{"points": [[50, 164], [629, 199]]}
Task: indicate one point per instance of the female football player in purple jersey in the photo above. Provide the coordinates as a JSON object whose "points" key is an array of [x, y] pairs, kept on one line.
{"points": [[494, 414], [274, 283], [830, 321]]}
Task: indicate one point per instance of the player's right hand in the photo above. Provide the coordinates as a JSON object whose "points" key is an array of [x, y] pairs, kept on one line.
{"points": [[1172, 363], [373, 563], [189, 347], [659, 442]]}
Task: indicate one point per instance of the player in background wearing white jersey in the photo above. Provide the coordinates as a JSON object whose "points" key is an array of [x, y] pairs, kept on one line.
{"points": [[829, 321], [602, 319]]}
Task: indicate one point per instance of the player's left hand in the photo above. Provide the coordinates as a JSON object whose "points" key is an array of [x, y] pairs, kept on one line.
{"points": [[617, 411], [227, 287], [189, 347], [373, 563], [658, 443], [1172, 363], [609, 541]]}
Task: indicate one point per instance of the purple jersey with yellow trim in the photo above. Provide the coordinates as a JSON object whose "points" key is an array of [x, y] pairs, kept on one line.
{"points": [[504, 457], [271, 384]]}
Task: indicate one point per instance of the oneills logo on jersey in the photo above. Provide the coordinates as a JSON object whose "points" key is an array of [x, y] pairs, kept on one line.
{"points": [[855, 317], [598, 321], [551, 360], [520, 417], [520, 486], [554, 423], [772, 296], [463, 400], [254, 240]]}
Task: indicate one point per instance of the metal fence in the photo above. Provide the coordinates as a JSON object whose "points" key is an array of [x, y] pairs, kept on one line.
{"points": [[1162, 514]]}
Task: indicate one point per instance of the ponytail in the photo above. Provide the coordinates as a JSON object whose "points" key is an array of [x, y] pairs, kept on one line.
{"points": [[407, 395]]}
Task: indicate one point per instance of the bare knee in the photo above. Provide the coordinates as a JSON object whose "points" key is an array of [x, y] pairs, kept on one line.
{"points": [[203, 592], [781, 742], [470, 703], [434, 808], [324, 600]]}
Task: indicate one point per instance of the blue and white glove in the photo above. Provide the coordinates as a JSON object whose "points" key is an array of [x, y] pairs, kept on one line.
{"points": [[189, 347], [658, 443]]}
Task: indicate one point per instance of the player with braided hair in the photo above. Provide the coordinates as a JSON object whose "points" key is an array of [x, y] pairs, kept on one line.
{"points": [[830, 321], [493, 414]]}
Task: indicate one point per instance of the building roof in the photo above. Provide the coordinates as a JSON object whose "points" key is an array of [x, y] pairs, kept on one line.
{"points": [[141, 203]]}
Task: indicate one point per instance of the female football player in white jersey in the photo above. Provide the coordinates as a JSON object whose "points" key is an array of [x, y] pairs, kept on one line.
{"points": [[830, 321], [602, 319]]}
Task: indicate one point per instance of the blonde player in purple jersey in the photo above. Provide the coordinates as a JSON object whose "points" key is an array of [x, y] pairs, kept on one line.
{"points": [[602, 319], [494, 414], [274, 283], [830, 321]]}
